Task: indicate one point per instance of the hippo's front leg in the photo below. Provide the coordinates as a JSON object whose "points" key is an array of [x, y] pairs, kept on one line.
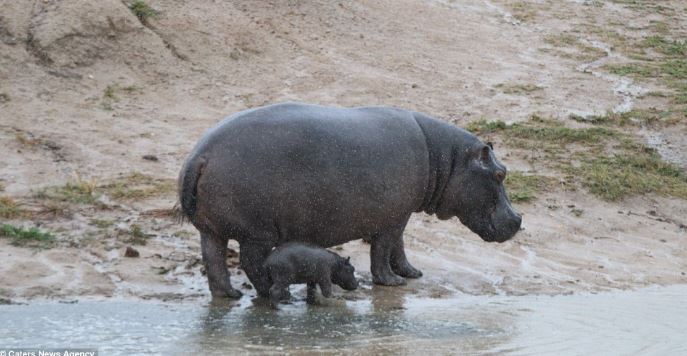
{"points": [[214, 250], [278, 292], [325, 284], [381, 249], [399, 262]]}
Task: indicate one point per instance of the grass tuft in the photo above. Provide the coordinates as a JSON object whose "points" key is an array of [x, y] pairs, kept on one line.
{"points": [[9, 208], [634, 70], [102, 223], [524, 187], [78, 191], [665, 46], [32, 237], [137, 186], [109, 92], [637, 117], [137, 236], [518, 88], [675, 69], [523, 11], [142, 10]]}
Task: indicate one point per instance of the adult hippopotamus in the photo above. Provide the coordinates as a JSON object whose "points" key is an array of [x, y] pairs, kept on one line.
{"points": [[328, 175]]}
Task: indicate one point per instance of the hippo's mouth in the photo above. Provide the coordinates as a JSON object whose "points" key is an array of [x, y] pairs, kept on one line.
{"points": [[489, 232], [487, 229]]}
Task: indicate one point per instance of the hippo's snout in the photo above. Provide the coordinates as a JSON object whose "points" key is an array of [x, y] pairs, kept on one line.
{"points": [[503, 227]]}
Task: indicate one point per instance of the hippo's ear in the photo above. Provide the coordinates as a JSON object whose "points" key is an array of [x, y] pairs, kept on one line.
{"points": [[485, 154], [491, 145], [348, 259]]}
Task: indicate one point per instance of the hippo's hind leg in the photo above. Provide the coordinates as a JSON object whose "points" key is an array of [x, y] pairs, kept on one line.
{"points": [[252, 258], [399, 262], [214, 251]]}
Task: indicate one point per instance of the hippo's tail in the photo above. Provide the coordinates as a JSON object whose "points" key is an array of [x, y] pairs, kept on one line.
{"points": [[188, 188]]}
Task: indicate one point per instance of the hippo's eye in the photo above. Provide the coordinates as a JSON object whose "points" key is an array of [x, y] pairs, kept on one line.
{"points": [[500, 176]]}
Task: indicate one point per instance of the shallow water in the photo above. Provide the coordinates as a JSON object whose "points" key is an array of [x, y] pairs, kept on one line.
{"points": [[650, 321]]}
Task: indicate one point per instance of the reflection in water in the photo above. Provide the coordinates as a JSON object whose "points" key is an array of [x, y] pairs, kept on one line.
{"points": [[384, 321], [379, 326], [387, 298]]}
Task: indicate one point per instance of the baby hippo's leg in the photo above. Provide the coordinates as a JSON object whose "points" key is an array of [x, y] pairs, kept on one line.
{"points": [[312, 291], [277, 292], [326, 286]]}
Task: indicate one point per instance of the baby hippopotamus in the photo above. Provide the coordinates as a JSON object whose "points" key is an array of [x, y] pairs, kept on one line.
{"points": [[294, 263]]}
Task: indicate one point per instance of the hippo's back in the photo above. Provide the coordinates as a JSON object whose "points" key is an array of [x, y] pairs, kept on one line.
{"points": [[310, 170]]}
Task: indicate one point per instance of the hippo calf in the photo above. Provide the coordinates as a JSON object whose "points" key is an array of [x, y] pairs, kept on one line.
{"points": [[295, 263], [327, 175]]}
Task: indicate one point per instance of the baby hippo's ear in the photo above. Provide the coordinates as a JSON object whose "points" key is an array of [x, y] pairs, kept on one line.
{"points": [[348, 259]]}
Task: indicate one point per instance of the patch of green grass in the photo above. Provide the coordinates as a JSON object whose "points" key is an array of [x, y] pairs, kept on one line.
{"points": [[78, 191], [134, 186], [523, 11], [184, 234], [657, 94], [575, 48], [137, 186], [606, 162], [102, 223], [561, 40], [647, 6], [524, 187], [484, 126], [9, 208], [142, 10], [32, 237], [109, 92], [675, 68], [666, 46], [638, 117], [55, 209], [109, 97], [137, 236], [518, 88], [634, 70], [660, 27], [543, 131], [632, 171], [680, 96]]}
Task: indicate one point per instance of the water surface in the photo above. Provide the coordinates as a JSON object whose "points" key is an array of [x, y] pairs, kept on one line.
{"points": [[649, 321]]}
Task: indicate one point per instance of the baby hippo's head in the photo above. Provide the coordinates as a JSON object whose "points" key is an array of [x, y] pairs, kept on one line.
{"points": [[343, 274]]}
